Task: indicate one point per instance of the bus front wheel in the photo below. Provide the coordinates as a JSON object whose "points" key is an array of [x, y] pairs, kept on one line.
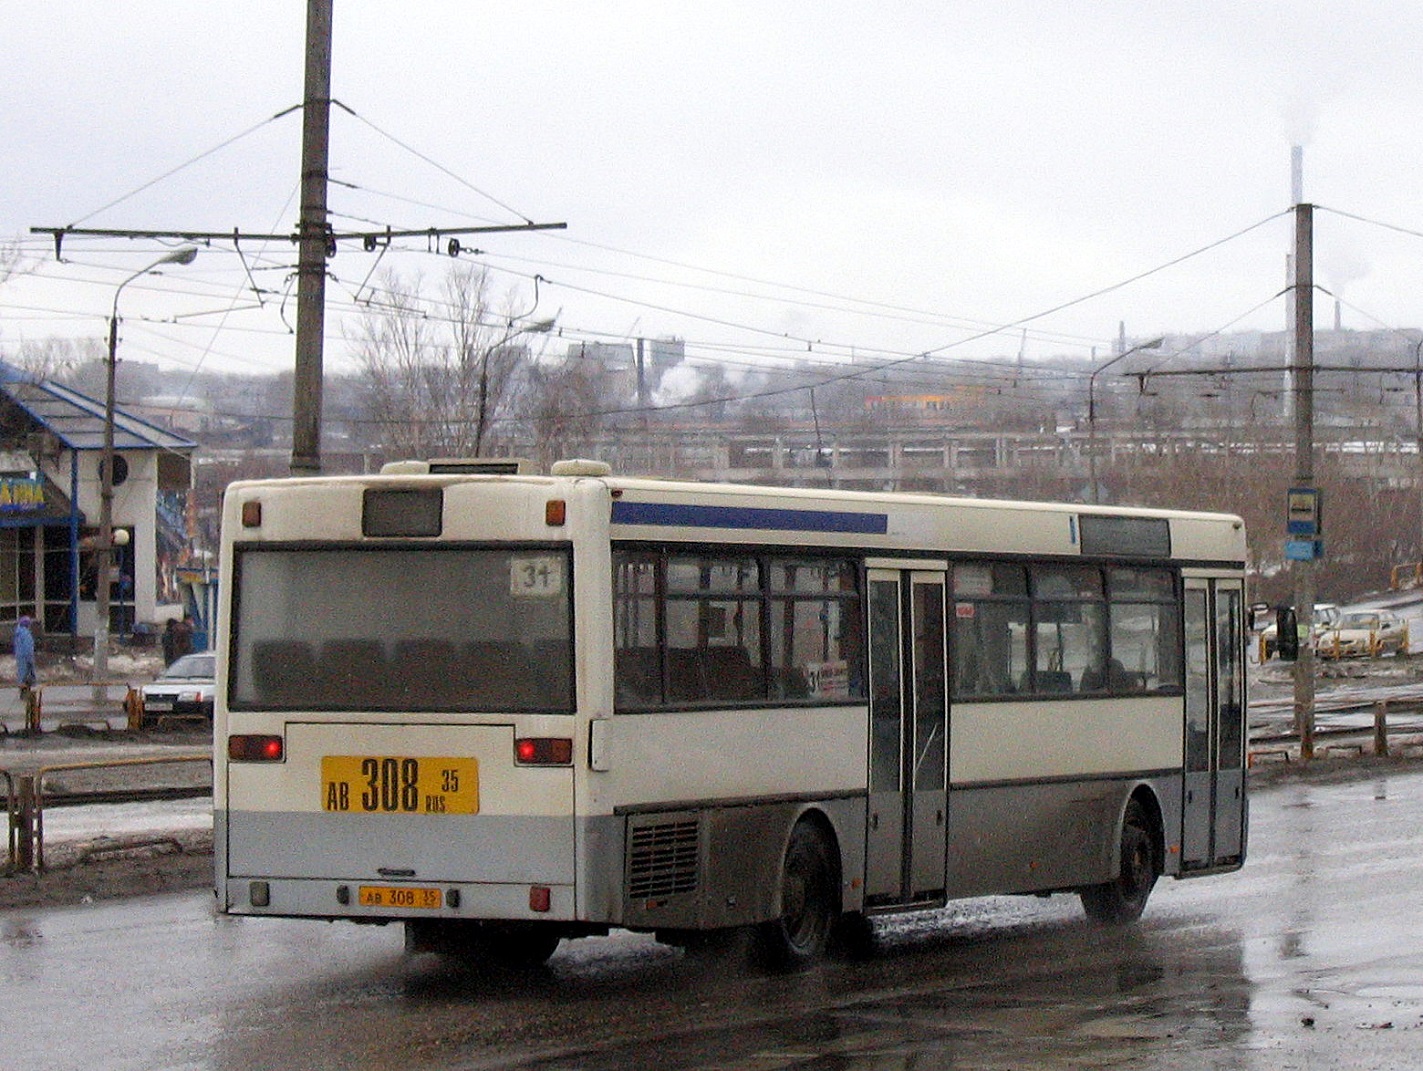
{"points": [[810, 903], [1123, 899]]}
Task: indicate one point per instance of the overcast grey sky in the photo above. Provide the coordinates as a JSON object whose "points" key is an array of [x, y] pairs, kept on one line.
{"points": [[827, 178]]}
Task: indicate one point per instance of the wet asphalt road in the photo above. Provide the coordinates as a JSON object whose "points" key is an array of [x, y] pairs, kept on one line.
{"points": [[1309, 958]]}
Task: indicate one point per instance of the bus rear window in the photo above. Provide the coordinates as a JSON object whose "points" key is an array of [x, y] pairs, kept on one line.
{"points": [[450, 629]]}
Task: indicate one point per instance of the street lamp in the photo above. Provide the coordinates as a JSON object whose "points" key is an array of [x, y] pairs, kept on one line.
{"points": [[104, 558], [1154, 344], [538, 327]]}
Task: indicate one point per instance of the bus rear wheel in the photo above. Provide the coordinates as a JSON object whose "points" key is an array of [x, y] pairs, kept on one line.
{"points": [[810, 903], [1123, 899]]}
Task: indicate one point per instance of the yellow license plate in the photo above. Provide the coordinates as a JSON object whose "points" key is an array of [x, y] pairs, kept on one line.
{"points": [[400, 896], [392, 784]]}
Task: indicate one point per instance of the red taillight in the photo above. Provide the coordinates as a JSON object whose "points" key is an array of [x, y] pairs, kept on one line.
{"points": [[255, 748], [543, 751]]}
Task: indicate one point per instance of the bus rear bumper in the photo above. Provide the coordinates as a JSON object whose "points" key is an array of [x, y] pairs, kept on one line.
{"points": [[383, 900]]}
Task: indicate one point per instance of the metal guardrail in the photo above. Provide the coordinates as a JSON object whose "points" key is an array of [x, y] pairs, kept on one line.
{"points": [[26, 796], [11, 811], [1380, 732], [99, 705]]}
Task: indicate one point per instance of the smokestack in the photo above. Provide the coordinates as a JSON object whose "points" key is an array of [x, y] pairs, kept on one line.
{"points": [[1338, 316], [1296, 197]]}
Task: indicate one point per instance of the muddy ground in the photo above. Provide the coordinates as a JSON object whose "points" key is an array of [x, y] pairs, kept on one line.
{"points": [[113, 867]]}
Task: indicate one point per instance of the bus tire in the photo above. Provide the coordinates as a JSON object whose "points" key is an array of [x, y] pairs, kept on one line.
{"points": [[810, 903], [1123, 899]]}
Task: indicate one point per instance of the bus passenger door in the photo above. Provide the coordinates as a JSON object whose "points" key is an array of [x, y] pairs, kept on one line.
{"points": [[908, 799], [1213, 816]]}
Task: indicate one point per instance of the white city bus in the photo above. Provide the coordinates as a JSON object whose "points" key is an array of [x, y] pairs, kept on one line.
{"points": [[507, 709]]}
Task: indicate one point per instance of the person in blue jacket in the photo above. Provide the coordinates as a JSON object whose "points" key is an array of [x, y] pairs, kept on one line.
{"points": [[24, 655]]}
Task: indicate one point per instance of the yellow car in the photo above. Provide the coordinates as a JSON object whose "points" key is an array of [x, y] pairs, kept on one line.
{"points": [[1364, 634]]}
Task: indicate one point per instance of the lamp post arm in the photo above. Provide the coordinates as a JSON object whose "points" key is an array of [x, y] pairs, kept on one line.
{"points": [[103, 556], [1092, 409]]}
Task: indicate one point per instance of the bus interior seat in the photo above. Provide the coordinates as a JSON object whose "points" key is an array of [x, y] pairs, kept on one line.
{"points": [[550, 673], [426, 672], [731, 674], [792, 683], [712, 673], [685, 681], [1054, 680], [499, 674], [283, 671], [355, 669], [637, 674]]}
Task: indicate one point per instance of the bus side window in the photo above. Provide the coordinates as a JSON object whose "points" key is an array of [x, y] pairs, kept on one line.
{"points": [[637, 675]]}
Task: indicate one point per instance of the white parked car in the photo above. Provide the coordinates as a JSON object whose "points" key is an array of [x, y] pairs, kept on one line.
{"points": [[186, 689], [1363, 633]]}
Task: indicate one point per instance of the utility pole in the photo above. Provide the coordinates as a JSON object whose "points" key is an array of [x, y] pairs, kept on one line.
{"points": [[1418, 431], [313, 242], [315, 238], [1304, 469]]}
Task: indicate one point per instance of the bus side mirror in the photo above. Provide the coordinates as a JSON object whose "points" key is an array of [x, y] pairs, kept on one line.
{"points": [[1287, 634]]}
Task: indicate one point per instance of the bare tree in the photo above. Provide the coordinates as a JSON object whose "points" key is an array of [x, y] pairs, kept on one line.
{"points": [[564, 408], [61, 359], [12, 263], [441, 376]]}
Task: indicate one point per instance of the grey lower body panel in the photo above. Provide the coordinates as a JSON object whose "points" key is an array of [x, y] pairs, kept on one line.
{"points": [[313, 864], [717, 866], [1020, 838], [497, 848], [720, 868], [698, 866]]}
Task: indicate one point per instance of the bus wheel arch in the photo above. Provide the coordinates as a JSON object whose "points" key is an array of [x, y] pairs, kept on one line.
{"points": [[1140, 852], [808, 902]]}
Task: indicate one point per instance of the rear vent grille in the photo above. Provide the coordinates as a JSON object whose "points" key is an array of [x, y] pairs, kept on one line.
{"points": [[663, 860]]}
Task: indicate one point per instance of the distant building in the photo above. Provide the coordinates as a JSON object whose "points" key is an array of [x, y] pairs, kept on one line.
{"points": [[51, 445], [181, 414], [620, 361]]}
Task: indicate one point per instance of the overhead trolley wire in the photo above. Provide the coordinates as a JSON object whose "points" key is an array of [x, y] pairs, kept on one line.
{"points": [[188, 163]]}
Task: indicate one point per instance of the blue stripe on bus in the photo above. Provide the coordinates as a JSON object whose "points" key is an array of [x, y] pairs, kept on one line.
{"points": [[667, 514]]}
